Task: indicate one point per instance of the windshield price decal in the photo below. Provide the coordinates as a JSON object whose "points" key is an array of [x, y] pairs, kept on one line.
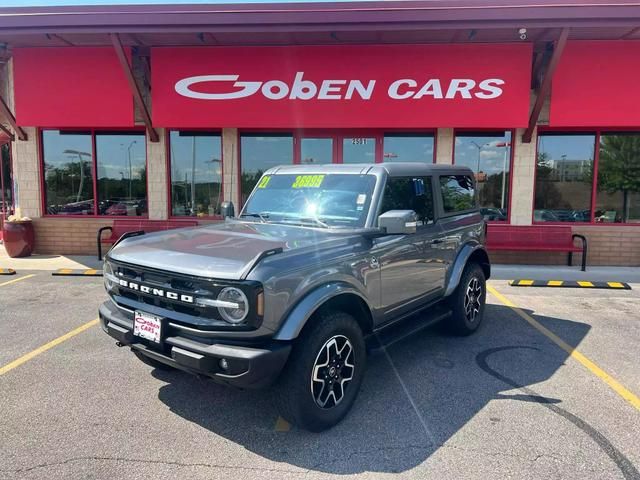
{"points": [[308, 181], [264, 182]]}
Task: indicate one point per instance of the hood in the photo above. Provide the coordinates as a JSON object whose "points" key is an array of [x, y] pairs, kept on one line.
{"points": [[225, 250]]}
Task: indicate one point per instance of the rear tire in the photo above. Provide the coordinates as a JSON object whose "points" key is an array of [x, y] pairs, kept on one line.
{"points": [[151, 362], [324, 372], [467, 302]]}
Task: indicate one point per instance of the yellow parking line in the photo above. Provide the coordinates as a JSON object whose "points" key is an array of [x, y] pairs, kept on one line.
{"points": [[47, 346], [17, 280], [575, 354]]}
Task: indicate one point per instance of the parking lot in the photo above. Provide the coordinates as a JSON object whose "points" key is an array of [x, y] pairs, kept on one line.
{"points": [[508, 402]]}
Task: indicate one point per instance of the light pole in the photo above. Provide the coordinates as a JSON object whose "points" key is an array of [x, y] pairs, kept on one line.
{"points": [[79, 154], [129, 156]]}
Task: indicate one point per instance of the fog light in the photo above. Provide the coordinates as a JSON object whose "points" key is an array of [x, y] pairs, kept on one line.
{"points": [[224, 365]]}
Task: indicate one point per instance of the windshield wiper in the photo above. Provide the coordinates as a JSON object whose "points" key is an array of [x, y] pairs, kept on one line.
{"points": [[263, 216], [314, 220]]}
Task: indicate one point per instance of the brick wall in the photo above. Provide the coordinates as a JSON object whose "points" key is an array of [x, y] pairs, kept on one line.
{"points": [[608, 245], [67, 236]]}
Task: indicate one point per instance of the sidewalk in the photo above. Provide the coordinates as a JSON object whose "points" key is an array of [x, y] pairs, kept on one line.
{"points": [[558, 272], [48, 262]]}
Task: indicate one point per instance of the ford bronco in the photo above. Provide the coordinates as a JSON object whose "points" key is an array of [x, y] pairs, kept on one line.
{"points": [[321, 262]]}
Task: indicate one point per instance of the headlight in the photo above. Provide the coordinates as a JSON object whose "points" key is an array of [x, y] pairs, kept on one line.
{"points": [[108, 276], [237, 306]]}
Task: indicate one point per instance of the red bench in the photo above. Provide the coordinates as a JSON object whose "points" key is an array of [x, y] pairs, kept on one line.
{"points": [[539, 238], [138, 226]]}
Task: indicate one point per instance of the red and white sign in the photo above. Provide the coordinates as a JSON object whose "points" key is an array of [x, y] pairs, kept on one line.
{"points": [[594, 85], [350, 86], [71, 87]]}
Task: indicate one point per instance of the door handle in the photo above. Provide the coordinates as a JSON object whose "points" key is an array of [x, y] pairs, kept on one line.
{"points": [[437, 241]]}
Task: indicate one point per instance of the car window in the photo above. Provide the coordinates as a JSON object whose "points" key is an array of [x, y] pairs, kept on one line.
{"points": [[409, 193], [458, 193]]}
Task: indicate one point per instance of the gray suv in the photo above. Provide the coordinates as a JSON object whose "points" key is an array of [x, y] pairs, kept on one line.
{"points": [[322, 264]]}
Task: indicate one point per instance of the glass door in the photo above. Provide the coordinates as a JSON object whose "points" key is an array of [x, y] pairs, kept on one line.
{"points": [[317, 150], [6, 185], [358, 149]]}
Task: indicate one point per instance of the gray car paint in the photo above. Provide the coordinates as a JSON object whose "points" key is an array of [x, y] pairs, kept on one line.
{"points": [[320, 263]]}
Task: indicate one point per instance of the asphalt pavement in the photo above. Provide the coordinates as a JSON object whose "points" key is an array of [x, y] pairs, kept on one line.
{"points": [[507, 402]]}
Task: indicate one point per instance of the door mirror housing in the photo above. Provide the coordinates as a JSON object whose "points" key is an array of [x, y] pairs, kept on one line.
{"points": [[398, 222], [227, 209]]}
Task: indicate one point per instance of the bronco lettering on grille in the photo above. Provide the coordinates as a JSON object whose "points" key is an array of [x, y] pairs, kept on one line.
{"points": [[158, 292]]}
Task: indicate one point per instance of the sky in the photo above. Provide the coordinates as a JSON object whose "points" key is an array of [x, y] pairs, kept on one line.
{"points": [[52, 3]]}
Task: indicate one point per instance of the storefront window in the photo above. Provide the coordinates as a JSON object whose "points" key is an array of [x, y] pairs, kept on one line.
{"points": [[258, 153], [408, 147], [618, 188], [315, 151], [196, 173], [358, 150], [488, 155], [564, 177], [68, 172], [122, 173]]}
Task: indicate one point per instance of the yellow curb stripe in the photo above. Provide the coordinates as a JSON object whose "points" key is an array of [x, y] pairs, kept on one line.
{"points": [[7, 271], [65, 270], [555, 283], [47, 346], [17, 280], [90, 272], [616, 386], [585, 284], [615, 284], [282, 425], [525, 282]]}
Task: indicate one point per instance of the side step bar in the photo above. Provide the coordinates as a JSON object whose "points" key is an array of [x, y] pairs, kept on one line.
{"points": [[404, 328]]}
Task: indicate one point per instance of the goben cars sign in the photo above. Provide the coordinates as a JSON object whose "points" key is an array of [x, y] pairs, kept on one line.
{"points": [[342, 86]]}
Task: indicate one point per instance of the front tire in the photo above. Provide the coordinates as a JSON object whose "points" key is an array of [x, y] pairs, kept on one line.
{"points": [[323, 375], [467, 302]]}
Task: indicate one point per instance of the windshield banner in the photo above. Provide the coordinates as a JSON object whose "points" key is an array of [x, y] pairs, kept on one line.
{"points": [[346, 86]]}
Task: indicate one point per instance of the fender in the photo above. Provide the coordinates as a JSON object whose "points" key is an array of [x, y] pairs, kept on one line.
{"points": [[297, 317], [455, 272]]}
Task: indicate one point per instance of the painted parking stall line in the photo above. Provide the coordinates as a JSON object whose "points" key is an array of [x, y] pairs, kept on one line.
{"points": [[47, 346], [614, 384], [19, 279], [570, 284]]}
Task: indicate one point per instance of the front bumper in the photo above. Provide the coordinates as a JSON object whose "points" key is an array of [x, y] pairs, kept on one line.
{"points": [[248, 367]]}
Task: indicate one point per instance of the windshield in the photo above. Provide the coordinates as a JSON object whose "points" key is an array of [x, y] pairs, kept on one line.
{"points": [[321, 200]]}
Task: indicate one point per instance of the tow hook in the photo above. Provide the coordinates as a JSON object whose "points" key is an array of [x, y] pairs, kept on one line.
{"points": [[119, 344]]}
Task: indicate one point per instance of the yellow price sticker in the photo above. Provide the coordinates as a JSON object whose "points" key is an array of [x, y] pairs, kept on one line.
{"points": [[264, 181], [308, 181]]}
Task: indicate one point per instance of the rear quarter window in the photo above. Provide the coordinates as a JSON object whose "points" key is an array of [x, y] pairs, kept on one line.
{"points": [[458, 193]]}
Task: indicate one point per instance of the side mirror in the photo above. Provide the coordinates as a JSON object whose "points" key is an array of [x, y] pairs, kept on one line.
{"points": [[227, 209], [398, 222]]}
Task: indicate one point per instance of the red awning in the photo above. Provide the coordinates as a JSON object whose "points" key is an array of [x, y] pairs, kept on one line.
{"points": [[71, 87], [595, 85], [347, 86]]}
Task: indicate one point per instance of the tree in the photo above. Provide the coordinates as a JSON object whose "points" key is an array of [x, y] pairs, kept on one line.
{"points": [[619, 167]]}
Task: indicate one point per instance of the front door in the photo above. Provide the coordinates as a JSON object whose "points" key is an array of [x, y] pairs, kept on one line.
{"points": [[412, 268]]}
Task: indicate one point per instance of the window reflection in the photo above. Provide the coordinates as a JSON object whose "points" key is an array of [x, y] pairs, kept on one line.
{"points": [[196, 173], [618, 188], [408, 147], [122, 174], [315, 151], [6, 182], [68, 172], [564, 177], [258, 153], [358, 150], [488, 155]]}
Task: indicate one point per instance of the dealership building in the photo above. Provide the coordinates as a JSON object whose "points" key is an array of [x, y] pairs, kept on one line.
{"points": [[163, 112]]}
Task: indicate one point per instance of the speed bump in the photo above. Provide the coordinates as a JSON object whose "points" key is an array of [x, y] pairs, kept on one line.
{"points": [[70, 272], [7, 271], [569, 284]]}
